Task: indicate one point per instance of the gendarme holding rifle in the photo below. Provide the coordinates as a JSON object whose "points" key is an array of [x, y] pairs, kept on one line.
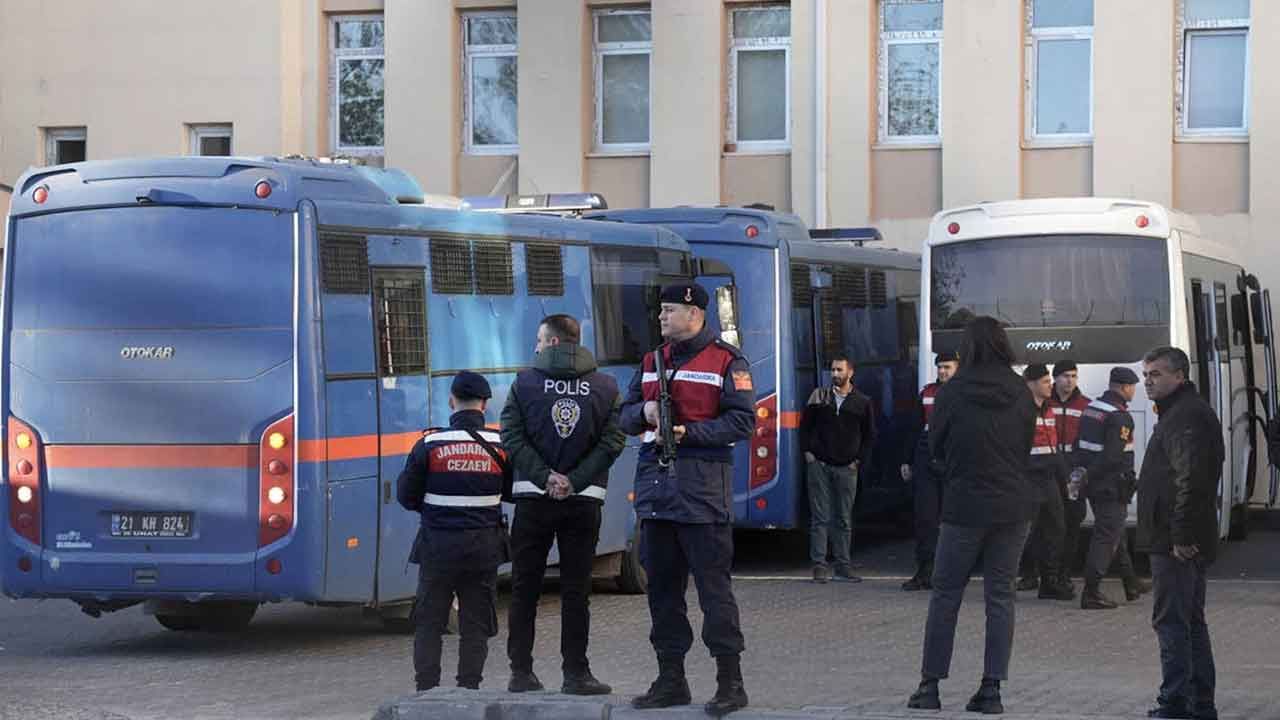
{"points": [[686, 509]]}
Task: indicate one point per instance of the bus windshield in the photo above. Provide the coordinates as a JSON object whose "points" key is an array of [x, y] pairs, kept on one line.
{"points": [[1051, 281]]}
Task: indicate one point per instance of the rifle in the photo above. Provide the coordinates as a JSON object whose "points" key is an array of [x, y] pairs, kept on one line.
{"points": [[666, 421]]}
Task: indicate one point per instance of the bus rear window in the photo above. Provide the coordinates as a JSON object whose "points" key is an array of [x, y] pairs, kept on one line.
{"points": [[625, 283], [1051, 281], [153, 268]]}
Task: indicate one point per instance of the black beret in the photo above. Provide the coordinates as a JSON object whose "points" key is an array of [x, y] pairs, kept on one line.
{"points": [[946, 356], [1123, 376], [1035, 372], [470, 386], [1064, 366], [691, 294]]}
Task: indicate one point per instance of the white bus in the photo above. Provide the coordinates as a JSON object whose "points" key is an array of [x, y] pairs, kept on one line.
{"points": [[1100, 282]]}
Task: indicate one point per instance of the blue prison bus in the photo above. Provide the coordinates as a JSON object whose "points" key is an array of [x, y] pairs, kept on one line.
{"points": [[791, 303], [214, 368]]}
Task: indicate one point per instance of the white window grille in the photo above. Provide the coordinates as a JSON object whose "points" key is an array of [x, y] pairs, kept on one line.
{"points": [[759, 78], [489, 83], [623, 46], [210, 139], [1060, 71], [357, 83], [910, 71], [1213, 68]]}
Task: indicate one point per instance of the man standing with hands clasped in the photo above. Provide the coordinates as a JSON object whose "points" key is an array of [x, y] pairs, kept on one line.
{"points": [[837, 431], [1178, 526], [560, 425]]}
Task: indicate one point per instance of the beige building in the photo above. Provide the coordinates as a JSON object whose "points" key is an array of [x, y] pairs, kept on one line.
{"points": [[846, 112]]}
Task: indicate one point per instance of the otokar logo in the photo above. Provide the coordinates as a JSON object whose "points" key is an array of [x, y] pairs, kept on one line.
{"points": [[1049, 345], [147, 352]]}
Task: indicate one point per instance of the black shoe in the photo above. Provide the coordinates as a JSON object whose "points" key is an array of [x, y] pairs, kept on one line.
{"points": [[523, 681], [1134, 589], [469, 686], [730, 694], [1170, 711], [926, 696], [821, 574], [584, 684], [1093, 599], [915, 583], [1050, 590], [1204, 712], [423, 687], [670, 689], [986, 700], [843, 574], [1027, 584]]}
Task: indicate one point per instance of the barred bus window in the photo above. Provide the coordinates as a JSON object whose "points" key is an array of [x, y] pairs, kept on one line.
{"points": [[492, 261], [451, 272], [879, 289], [544, 266], [344, 263], [801, 290], [850, 284], [400, 306], [832, 321]]}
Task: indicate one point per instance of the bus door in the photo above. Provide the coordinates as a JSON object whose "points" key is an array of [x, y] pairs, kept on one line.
{"points": [[1264, 334], [1213, 373], [400, 329]]}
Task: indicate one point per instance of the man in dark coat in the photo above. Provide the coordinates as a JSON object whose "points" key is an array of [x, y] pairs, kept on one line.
{"points": [[1178, 526]]}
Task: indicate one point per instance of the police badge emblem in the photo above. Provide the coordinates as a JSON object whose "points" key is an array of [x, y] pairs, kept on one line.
{"points": [[565, 414]]}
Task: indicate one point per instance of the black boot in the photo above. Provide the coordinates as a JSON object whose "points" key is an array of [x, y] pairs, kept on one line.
{"points": [[1135, 587], [1028, 583], [1052, 589], [1093, 599], [523, 681], [987, 699], [583, 683], [919, 581], [670, 689], [730, 694], [926, 696]]}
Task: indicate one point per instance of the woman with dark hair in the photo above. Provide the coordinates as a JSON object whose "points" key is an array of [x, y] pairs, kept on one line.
{"points": [[981, 433]]}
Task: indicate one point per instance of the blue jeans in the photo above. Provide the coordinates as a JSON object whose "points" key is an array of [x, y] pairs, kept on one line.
{"points": [[958, 551], [1177, 614], [831, 492]]}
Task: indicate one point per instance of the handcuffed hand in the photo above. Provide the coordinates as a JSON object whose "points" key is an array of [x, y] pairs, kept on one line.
{"points": [[558, 486], [810, 458], [1185, 552], [905, 472]]}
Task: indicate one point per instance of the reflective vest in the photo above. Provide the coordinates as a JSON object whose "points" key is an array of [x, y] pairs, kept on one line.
{"points": [[1068, 415], [1108, 414], [927, 398], [1045, 441], [464, 484], [695, 386], [564, 419]]}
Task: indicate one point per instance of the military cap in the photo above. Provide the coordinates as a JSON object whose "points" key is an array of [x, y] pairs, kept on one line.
{"points": [[1035, 371], [1123, 376], [470, 386], [946, 356], [1064, 366], [686, 294]]}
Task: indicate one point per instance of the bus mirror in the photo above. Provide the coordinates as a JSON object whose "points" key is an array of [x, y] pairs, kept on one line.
{"points": [[727, 311], [1260, 328]]}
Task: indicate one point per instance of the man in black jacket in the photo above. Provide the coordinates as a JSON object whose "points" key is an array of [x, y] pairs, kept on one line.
{"points": [[560, 425], [1178, 526], [837, 431]]}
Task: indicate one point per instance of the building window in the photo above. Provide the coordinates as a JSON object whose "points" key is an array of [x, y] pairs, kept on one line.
{"points": [[910, 71], [759, 69], [489, 67], [1060, 61], [1213, 64], [211, 140], [65, 145], [356, 84], [623, 43]]}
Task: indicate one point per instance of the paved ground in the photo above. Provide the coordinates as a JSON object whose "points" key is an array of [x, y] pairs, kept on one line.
{"points": [[837, 645]]}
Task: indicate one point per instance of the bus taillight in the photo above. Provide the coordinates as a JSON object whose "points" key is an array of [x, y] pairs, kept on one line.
{"points": [[764, 442], [24, 480], [276, 482]]}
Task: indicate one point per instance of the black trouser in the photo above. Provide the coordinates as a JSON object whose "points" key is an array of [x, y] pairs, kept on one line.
{"points": [[1073, 514], [1177, 614], [669, 552], [958, 553], [477, 621], [1044, 547], [927, 498], [1109, 541], [574, 525]]}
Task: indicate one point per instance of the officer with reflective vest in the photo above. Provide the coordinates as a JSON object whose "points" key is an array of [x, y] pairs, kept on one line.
{"points": [[1106, 447], [1048, 472], [926, 484], [685, 508], [1068, 405], [454, 478], [560, 425]]}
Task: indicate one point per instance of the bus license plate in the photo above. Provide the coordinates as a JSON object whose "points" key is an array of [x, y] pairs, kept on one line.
{"points": [[151, 524]]}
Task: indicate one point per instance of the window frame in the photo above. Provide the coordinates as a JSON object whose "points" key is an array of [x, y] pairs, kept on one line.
{"points": [[888, 39], [599, 51], [764, 44], [336, 57], [1034, 36], [200, 131], [1221, 26], [54, 135], [470, 53]]}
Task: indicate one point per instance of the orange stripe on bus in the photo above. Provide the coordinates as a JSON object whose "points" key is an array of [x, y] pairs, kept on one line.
{"points": [[151, 456], [790, 419], [356, 447]]}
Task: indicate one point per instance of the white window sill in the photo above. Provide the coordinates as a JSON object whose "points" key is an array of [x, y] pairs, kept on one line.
{"points": [[1047, 144], [1223, 139], [761, 152], [483, 152], [598, 154], [920, 145]]}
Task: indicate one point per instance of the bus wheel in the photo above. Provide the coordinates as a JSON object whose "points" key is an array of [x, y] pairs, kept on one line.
{"points": [[227, 617], [632, 579], [179, 622], [1239, 527]]}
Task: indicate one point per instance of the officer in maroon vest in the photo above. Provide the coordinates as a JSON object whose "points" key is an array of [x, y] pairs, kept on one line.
{"points": [[926, 484], [1046, 475], [1068, 405], [685, 509]]}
